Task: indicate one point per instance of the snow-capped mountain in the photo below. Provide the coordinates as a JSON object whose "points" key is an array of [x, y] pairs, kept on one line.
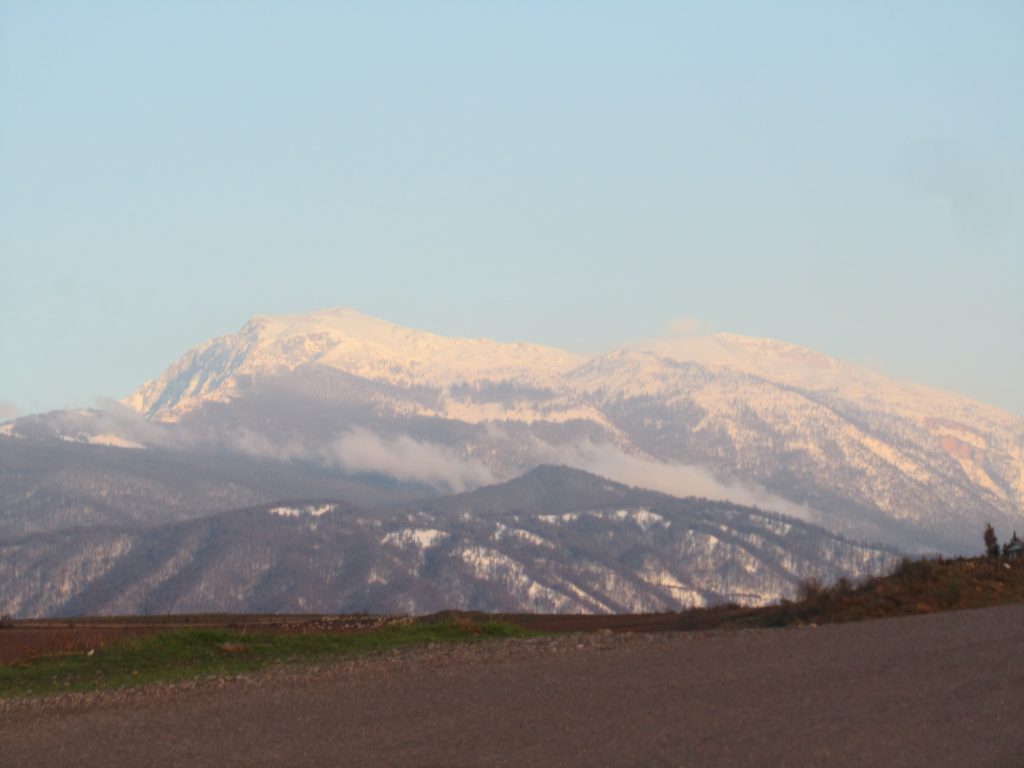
{"points": [[341, 340], [753, 421], [554, 540]]}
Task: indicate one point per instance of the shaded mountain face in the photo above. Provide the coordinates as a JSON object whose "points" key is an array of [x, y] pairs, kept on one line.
{"points": [[555, 540], [48, 485], [752, 421]]}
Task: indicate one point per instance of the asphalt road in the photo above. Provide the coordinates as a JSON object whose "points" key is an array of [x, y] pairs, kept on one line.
{"points": [[938, 690]]}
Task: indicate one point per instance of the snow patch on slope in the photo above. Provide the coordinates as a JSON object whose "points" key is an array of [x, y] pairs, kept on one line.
{"points": [[311, 510], [643, 518], [115, 441], [418, 538], [502, 531]]}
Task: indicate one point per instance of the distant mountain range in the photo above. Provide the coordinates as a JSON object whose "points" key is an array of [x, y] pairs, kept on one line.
{"points": [[335, 399], [405, 448], [554, 540]]}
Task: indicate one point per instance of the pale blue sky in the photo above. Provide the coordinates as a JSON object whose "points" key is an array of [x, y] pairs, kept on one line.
{"points": [[848, 176]]}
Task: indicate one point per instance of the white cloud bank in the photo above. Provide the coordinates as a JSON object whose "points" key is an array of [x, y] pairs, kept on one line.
{"points": [[360, 450], [445, 468], [404, 458], [675, 479], [442, 467]]}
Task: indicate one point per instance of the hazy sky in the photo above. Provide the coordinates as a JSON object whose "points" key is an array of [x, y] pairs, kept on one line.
{"points": [[848, 176]]}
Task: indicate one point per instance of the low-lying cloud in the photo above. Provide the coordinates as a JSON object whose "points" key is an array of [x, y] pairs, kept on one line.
{"points": [[676, 479], [438, 465], [404, 458], [443, 467], [360, 450], [109, 423]]}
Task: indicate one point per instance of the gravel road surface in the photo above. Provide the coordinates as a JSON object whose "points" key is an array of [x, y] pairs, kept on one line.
{"points": [[936, 690]]}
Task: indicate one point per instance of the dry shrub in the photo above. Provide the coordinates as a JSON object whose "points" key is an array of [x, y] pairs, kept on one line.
{"points": [[911, 570], [809, 590]]}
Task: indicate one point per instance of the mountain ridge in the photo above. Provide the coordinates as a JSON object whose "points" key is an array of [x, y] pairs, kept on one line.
{"points": [[531, 544], [288, 340], [754, 421]]}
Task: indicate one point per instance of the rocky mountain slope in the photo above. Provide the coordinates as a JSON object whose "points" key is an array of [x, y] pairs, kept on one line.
{"points": [[554, 540], [48, 485]]}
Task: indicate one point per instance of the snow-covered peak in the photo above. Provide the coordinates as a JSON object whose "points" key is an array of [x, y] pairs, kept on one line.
{"points": [[354, 342], [748, 353], [807, 369], [344, 340]]}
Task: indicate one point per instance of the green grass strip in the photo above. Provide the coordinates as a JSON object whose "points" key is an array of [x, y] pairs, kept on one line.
{"points": [[191, 653]]}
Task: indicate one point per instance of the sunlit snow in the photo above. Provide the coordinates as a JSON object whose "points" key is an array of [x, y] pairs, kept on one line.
{"points": [[314, 510]]}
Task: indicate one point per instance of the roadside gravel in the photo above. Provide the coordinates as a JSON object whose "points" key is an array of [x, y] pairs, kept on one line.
{"points": [[435, 656], [936, 690]]}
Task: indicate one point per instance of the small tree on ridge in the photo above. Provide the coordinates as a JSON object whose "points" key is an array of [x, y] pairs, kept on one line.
{"points": [[991, 542]]}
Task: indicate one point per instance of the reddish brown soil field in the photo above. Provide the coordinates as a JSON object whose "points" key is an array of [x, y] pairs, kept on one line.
{"points": [[30, 641], [629, 622], [33, 638]]}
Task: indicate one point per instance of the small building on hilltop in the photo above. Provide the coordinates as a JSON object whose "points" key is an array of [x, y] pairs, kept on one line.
{"points": [[1014, 549]]}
